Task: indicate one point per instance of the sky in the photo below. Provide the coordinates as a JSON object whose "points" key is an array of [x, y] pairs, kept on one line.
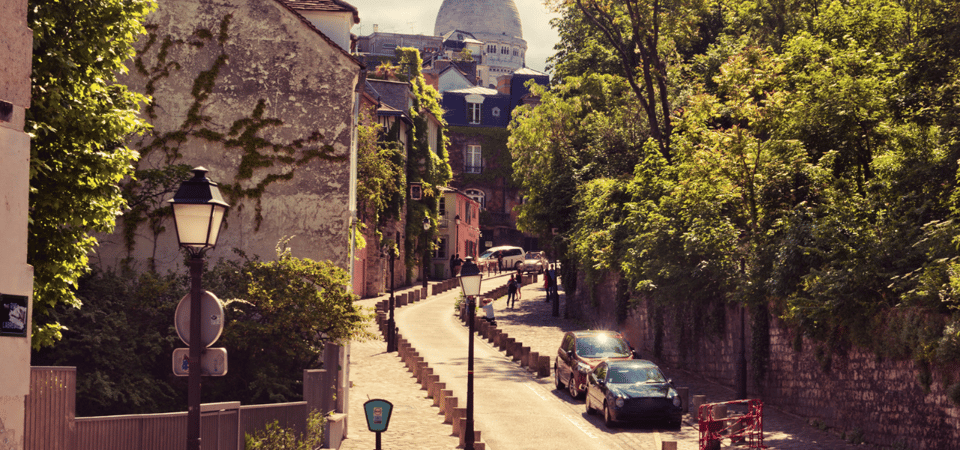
{"points": [[419, 16]]}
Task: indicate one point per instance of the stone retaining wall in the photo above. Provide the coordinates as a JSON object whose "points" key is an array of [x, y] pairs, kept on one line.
{"points": [[880, 400]]}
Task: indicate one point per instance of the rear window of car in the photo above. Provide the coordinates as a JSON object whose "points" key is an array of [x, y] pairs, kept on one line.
{"points": [[602, 346]]}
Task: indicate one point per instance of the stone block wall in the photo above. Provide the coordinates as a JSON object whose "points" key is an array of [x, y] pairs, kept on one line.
{"points": [[879, 398]]}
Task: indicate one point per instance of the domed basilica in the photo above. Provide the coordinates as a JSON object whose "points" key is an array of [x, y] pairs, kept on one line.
{"points": [[496, 24]]}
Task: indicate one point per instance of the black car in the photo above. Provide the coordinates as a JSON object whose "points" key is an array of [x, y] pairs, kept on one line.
{"points": [[631, 390]]}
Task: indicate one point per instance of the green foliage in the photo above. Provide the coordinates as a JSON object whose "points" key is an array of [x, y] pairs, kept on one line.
{"points": [[429, 167], [121, 342], [380, 176], [78, 120], [279, 315], [286, 310], [273, 437], [806, 166]]}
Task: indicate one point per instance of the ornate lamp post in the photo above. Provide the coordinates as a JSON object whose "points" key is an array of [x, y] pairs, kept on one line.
{"points": [[426, 252], [470, 278], [391, 322], [198, 210]]}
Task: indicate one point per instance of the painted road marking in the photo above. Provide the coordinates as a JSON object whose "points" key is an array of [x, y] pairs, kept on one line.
{"points": [[580, 426]]}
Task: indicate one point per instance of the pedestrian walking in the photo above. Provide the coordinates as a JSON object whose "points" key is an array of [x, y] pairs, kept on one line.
{"points": [[511, 292], [457, 262], [499, 263]]}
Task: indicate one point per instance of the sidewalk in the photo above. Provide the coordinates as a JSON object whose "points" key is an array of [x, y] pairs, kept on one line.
{"points": [[415, 423]]}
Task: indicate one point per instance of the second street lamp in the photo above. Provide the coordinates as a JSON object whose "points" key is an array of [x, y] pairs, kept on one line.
{"points": [[426, 252], [470, 278], [198, 210]]}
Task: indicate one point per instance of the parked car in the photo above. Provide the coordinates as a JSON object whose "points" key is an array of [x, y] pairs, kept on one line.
{"points": [[632, 390], [534, 262], [581, 351], [512, 256]]}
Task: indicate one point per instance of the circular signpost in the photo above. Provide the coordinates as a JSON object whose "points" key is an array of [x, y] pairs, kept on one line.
{"points": [[211, 319]]}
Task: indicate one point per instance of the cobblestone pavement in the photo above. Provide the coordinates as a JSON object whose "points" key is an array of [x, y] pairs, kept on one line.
{"points": [[416, 424]]}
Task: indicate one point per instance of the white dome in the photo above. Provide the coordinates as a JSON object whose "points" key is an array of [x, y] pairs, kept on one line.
{"points": [[487, 17]]}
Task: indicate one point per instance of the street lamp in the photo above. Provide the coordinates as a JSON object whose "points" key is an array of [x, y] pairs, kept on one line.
{"points": [[470, 278], [391, 323], [198, 210], [456, 220], [426, 252]]}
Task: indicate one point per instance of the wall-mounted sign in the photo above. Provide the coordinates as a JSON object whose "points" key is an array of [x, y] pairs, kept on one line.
{"points": [[13, 315], [416, 191]]}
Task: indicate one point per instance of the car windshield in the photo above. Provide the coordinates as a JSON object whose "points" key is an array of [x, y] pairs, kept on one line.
{"points": [[602, 346], [486, 255], [631, 375], [532, 256]]}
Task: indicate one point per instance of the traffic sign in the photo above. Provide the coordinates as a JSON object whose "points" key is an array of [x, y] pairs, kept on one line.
{"points": [[211, 319], [213, 362]]}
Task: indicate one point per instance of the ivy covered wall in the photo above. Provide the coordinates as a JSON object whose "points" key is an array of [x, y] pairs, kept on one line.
{"points": [[252, 92]]}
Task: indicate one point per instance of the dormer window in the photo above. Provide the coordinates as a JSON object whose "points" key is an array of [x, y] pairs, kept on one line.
{"points": [[473, 113]]}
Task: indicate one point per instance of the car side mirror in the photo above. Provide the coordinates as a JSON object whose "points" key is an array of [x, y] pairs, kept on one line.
{"points": [[593, 379], [569, 353], [636, 354]]}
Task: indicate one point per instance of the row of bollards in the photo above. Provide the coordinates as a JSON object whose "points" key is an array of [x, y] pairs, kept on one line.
{"points": [[443, 398]]}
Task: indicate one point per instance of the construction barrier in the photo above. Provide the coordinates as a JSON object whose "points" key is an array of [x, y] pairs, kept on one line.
{"points": [[716, 424]]}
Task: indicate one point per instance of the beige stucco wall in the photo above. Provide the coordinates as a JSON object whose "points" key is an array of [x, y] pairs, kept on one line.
{"points": [[305, 82], [16, 277]]}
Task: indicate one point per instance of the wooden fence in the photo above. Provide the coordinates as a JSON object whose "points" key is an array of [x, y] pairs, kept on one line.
{"points": [[51, 423]]}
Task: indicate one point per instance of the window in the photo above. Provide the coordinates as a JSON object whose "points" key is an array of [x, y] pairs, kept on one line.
{"points": [[473, 113], [441, 251], [472, 162], [476, 195], [491, 49], [443, 207], [504, 51], [516, 52]]}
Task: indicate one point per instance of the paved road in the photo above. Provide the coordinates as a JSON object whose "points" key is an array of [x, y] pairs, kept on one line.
{"points": [[533, 409]]}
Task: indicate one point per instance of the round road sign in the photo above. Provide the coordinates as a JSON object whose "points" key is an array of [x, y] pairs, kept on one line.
{"points": [[211, 319]]}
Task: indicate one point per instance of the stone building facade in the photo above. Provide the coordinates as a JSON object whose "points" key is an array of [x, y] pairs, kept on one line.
{"points": [[16, 276], [257, 94]]}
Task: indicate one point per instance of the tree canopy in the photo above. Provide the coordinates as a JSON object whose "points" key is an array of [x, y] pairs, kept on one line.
{"points": [[799, 158], [78, 120]]}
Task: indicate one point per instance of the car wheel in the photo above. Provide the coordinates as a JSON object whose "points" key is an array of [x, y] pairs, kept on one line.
{"points": [[518, 265], [556, 377], [572, 386], [607, 418]]}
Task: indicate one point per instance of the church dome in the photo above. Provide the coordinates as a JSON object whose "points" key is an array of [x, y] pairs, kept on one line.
{"points": [[487, 17]]}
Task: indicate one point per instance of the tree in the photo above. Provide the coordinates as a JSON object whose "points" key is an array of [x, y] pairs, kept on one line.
{"points": [[78, 120]]}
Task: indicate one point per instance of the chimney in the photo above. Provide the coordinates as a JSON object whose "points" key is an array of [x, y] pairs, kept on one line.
{"points": [[376, 28]]}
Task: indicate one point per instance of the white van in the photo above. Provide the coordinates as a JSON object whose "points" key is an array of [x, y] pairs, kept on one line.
{"points": [[512, 256]]}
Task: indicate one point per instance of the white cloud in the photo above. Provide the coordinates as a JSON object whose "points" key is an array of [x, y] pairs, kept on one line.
{"points": [[418, 17]]}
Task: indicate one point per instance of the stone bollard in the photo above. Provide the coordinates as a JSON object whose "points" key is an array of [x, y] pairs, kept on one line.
{"points": [[413, 364], [522, 356], [532, 359], [514, 351], [508, 346], [695, 405], [449, 404], [458, 415], [429, 381], [684, 399], [424, 372], [482, 328], [436, 391], [506, 342], [668, 445], [543, 367], [493, 335]]}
